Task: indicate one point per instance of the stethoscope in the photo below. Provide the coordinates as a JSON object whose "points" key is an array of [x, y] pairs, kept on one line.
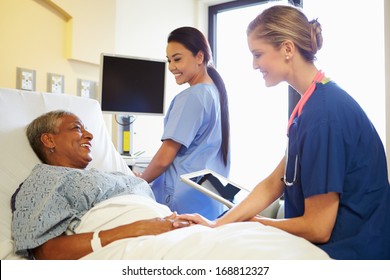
{"points": [[297, 111]]}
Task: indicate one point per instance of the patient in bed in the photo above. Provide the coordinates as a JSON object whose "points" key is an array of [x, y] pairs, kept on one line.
{"points": [[49, 205]]}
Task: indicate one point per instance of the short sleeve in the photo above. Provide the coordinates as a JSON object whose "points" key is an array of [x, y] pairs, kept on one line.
{"points": [[323, 159], [186, 116]]}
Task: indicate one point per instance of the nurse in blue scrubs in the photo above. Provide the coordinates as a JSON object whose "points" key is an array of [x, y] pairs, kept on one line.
{"points": [[196, 127], [334, 174]]}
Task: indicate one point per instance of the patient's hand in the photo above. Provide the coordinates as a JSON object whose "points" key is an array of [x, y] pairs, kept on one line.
{"points": [[176, 222], [154, 226], [195, 219]]}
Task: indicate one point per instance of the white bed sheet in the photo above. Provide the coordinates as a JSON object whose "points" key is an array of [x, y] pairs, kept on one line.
{"points": [[247, 240]]}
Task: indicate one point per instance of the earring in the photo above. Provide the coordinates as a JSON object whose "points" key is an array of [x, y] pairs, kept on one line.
{"points": [[51, 150], [287, 57]]}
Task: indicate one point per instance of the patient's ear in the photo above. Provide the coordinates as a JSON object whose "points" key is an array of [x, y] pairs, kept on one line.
{"points": [[47, 140]]}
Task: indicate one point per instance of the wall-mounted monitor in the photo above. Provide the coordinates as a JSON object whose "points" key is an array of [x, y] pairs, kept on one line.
{"points": [[132, 85]]}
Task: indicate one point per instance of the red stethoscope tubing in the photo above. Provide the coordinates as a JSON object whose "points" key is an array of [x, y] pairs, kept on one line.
{"points": [[299, 107]]}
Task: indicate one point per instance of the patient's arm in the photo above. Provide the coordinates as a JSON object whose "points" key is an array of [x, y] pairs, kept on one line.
{"points": [[71, 247]]}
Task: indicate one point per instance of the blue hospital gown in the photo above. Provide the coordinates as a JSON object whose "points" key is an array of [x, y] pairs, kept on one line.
{"points": [[53, 199], [338, 150]]}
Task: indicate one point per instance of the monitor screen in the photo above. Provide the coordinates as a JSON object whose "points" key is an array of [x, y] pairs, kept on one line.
{"points": [[131, 85]]}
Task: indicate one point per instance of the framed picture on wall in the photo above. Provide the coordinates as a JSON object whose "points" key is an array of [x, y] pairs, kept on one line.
{"points": [[25, 79], [55, 83], [86, 88]]}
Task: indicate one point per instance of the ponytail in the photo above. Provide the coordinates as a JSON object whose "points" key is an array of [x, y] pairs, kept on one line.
{"points": [[223, 101]]}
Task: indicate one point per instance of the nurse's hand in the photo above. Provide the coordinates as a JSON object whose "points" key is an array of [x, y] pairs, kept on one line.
{"points": [[195, 219], [176, 222]]}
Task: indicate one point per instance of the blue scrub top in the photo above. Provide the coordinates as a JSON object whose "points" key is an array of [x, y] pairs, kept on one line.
{"points": [[338, 150], [193, 120]]}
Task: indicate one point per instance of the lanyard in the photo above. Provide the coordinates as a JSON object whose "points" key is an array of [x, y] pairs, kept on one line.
{"points": [[298, 108]]}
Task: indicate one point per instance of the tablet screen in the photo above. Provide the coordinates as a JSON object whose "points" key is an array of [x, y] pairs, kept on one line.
{"points": [[217, 185]]}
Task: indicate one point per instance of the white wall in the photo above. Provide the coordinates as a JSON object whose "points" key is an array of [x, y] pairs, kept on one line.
{"points": [[142, 28]]}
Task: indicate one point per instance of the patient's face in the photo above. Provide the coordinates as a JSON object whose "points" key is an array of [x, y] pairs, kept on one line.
{"points": [[72, 144]]}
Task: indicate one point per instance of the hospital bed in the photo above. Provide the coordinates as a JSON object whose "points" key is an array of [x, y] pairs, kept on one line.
{"points": [[234, 241]]}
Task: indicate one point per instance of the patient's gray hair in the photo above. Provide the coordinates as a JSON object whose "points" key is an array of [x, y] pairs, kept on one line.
{"points": [[46, 123]]}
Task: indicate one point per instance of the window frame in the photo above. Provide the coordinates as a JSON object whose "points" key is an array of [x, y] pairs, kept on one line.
{"points": [[213, 10]]}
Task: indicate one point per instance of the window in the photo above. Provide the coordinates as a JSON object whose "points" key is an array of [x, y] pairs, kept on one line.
{"points": [[258, 115], [352, 55]]}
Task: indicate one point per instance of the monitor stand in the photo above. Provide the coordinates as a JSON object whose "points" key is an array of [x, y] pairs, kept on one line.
{"points": [[125, 134]]}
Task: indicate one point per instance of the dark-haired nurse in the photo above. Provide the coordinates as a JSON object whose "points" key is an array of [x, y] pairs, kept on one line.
{"points": [[196, 127]]}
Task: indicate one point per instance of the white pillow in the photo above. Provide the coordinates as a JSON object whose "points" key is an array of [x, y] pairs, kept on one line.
{"points": [[17, 110]]}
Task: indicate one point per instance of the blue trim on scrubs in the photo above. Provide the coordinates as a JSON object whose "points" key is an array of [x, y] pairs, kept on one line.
{"points": [[339, 150], [193, 120]]}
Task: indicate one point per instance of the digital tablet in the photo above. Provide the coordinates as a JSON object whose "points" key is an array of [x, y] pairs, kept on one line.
{"points": [[215, 186]]}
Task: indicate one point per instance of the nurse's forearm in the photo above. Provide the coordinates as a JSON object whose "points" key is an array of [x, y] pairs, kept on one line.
{"points": [[265, 193], [161, 161], [153, 170]]}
